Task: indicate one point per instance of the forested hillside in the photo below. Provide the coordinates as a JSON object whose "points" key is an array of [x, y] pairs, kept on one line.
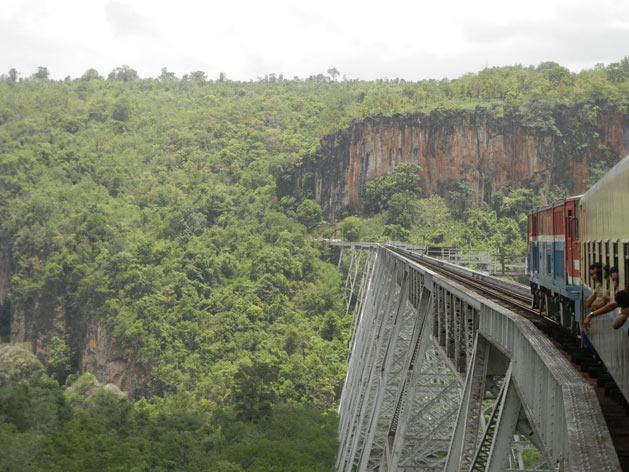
{"points": [[143, 242]]}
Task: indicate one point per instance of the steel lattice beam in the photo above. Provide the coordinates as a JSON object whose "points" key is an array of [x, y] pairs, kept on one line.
{"points": [[443, 379]]}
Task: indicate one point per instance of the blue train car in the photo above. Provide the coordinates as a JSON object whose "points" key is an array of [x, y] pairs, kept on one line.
{"points": [[554, 261]]}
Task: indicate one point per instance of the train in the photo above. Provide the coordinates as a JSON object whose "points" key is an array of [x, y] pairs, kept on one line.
{"points": [[566, 237]]}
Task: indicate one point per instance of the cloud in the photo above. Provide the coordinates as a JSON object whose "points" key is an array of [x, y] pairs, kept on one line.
{"points": [[491, 33], [366, 40], [126, 22], [27, 51]]}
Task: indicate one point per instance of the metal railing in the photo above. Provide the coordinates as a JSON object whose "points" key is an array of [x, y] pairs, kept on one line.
{"points": [[482, 260]]}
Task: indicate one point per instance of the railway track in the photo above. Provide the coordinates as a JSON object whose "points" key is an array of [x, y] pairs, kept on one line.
{"points": [[613, 404]]}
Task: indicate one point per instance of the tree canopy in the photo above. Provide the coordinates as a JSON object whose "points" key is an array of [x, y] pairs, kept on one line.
{"points": [[149, 208]]}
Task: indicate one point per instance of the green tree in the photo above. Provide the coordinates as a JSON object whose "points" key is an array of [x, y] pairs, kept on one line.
{"points": [[558, 192], [37, 405], [42, 73], [165, 76], [11, 77], [61, 359], [396, 232], [123, 73], [309, 213], [405, 178], [434, 215], [334, 73], [461, 196], [121, 110], [351, 228], [253, 393], [480, 227], [518, 201], [91, 74], [507, 241], [618, 71], [198, 76], [402, 210]]}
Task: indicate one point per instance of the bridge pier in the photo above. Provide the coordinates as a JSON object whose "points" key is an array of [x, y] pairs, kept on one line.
{"points": [[440, 378]]}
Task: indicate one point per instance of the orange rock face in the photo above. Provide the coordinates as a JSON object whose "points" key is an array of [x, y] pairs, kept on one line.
{"points": [[489, 152]]}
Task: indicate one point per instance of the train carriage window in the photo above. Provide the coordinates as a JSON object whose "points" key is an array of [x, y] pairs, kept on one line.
{"points": [[576, 227], [584, 255], [595, 252], [596, 257], [606, 246], [615, 254], [570, 224], [614, 263], [541, 223], [625, 276], [586, 259], [590, 260]]}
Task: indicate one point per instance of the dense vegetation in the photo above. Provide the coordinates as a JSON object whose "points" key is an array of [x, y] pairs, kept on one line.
{"points": [[394, 211], [149, 206], [89, 428]]}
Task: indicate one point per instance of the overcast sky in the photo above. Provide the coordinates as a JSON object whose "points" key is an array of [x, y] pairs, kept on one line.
{"points": [[410, 39]]}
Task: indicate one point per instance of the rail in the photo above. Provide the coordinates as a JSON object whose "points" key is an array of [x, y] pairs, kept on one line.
{"points": [[482, 260]]}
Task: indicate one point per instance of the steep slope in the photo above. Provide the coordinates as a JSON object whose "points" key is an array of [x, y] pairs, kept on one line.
{"points": [[489, 148]]}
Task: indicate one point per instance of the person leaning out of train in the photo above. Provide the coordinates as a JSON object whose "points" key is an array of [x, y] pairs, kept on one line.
{"points": [[611, 282], [611, 277], [596, 299], [621, 301]]}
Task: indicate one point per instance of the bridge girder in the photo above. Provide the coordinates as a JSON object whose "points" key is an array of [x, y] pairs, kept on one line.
{"points": [[442, 379]]}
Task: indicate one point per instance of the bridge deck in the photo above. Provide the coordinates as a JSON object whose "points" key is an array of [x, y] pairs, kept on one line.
{"points": [[415, 331]]}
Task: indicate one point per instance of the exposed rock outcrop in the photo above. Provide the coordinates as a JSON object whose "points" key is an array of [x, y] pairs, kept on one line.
{"points": [[533, 149], [86, 386], [104, 358], [36, 322]]}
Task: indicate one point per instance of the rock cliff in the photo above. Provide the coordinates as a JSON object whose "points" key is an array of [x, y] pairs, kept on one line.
{"points": [[490, 148], [35, 322]]}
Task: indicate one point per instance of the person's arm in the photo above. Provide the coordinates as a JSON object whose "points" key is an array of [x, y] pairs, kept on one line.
{"points": [[601, 311], [621, 319], [592, 297], [601, 300]]}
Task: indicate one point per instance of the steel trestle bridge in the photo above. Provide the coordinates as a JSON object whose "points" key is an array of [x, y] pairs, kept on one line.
{"points": [[442, 379]]}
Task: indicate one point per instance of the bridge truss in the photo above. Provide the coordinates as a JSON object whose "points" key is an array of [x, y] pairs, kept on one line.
{"points": [[440, 378]]}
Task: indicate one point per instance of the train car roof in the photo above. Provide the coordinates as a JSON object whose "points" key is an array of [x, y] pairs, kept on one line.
{"points": [[622, 167], [554, 204], [603, 208]]}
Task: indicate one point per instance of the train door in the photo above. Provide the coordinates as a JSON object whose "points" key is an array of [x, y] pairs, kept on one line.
{"points": [[559, 246], [533, 244], [576, 251], [572, 244]]}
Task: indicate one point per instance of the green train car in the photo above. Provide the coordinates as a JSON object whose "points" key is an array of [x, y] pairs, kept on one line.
{"points": [[604, 238]]}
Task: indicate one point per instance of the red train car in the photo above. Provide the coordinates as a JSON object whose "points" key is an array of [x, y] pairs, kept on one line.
{"points": [[553, 251]]}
